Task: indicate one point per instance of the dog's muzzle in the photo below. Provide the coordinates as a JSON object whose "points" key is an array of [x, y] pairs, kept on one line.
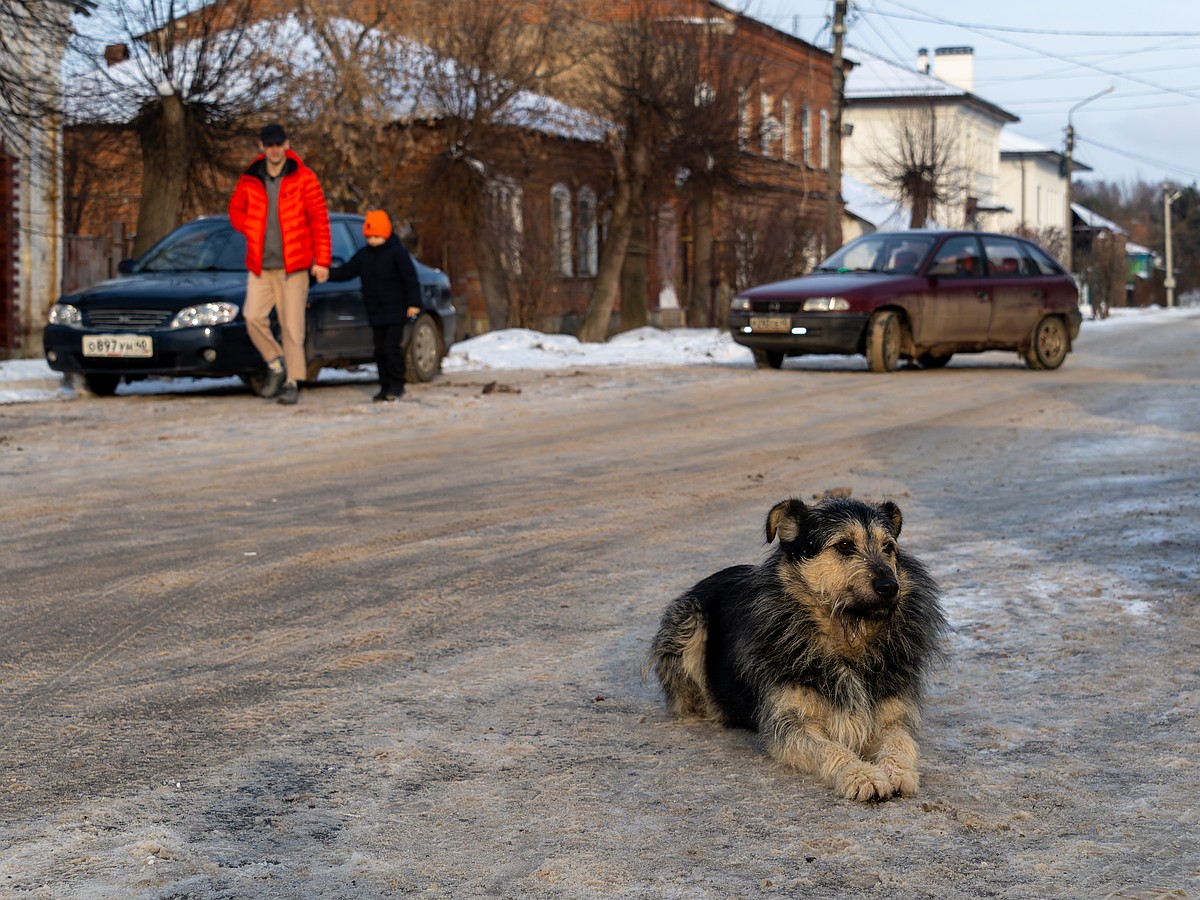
{"points": [[882, 603]]}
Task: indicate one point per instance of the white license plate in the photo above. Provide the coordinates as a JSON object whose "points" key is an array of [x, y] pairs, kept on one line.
{"points": [[770, 324], [118, 345]]}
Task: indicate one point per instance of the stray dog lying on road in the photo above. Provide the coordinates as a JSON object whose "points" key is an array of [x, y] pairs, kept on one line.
{"points": [[822, 648]]}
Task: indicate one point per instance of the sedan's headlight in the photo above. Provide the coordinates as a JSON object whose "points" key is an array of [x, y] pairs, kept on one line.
{"points": [[826, 304], [217, 313], [740, 304], [66, 314]]}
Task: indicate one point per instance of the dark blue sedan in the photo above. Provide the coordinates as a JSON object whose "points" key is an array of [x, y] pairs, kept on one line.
{"points": [[177, 311]]}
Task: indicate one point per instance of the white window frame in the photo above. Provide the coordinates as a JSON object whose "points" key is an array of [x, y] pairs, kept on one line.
{"points": [[789, 134], [824, 139], [561, 230], [806, 135], [507, 200], [588, 234]]}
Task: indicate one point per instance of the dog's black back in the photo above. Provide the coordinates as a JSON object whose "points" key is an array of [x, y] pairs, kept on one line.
{"points": [[768, 626]]}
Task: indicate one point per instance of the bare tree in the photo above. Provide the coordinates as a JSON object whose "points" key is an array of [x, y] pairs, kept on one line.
{"points": [[1103, 269], [914, 162], [184, 82], [773, 241], [644, 67], [345, 92], [1051, 238], [491, 61], [714, 78]]}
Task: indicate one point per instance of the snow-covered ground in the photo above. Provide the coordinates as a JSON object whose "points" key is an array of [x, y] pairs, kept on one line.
{"points": [[27, 380]]}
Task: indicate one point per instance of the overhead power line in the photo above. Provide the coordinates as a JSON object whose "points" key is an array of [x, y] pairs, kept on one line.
{"points": [[1187, 173], [1013, 29]]}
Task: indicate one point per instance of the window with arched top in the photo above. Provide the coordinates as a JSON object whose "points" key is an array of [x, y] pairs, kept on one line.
{"points": [[806, 135], [589, 234], [743, 119], [560, 222], [824, 139], [789, 139], [505, 208]]}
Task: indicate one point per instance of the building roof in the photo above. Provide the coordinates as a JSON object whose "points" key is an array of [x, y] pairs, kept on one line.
{"points": [[115, 94], [874, 79], [1017, 146], [1095, 220]]}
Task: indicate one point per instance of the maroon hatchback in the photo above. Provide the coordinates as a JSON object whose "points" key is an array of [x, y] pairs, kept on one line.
{"points": [[919, 295]]}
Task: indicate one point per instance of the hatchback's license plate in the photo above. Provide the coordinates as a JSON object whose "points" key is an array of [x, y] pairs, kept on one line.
{"points": [[118, 345], [771, 324]]}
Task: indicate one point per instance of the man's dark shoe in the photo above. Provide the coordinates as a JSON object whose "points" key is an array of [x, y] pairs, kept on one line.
{"points": [[384, 396], [274, 379], [289, 394]]}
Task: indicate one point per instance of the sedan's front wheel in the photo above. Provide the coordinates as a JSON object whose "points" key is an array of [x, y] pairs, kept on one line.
{"points": [[424, 349], [768, 359], [883, 341], [96, 384], [1049, 345], [255, 380]]}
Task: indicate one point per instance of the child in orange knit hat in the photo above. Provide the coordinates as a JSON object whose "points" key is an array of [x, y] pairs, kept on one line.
{"points": [[391, 294]]}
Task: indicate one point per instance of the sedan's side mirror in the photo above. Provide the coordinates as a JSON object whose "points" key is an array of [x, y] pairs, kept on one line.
{"points": [[125, 266]]}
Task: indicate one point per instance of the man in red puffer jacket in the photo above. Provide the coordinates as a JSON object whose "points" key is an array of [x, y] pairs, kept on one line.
{"points": [[279, 206]]}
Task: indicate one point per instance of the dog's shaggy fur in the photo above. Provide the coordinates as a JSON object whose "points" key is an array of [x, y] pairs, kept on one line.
{"points": [[822, 648]]}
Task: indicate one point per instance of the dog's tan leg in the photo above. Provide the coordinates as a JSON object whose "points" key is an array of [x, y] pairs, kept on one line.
{"points": [[798, 725], [895, 748]]}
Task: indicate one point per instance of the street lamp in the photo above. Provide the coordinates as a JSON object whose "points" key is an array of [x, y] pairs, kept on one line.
{"points": [[1169, 197], [1070, 252]]}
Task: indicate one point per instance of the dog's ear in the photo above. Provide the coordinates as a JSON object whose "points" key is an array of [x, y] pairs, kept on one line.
{"points": [[891, 512], [786, 519]]}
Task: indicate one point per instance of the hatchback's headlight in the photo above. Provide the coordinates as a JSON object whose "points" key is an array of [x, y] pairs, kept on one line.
{"points": [[217, 313], [66, 314], [826, 304], [740, 304]]}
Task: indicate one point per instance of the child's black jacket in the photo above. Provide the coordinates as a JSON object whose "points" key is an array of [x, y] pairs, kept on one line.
{"points": [[389, 281]]}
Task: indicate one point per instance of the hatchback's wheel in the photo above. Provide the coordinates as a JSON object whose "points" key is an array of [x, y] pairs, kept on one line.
{"points": [[424, 349], [99, 385], [933, 361], [312, 371], [768, 359], [883, 341], [1049, 345]]}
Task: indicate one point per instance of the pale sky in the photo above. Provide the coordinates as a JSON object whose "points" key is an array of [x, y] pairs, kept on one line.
{"points": [[1039, 58]]}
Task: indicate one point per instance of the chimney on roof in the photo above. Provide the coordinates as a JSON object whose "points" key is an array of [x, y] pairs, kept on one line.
{"points": [[923, 61], [956, 66]]}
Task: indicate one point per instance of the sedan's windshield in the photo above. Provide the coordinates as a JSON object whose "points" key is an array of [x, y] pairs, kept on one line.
{"points": [[203, 246], [897, 254]]}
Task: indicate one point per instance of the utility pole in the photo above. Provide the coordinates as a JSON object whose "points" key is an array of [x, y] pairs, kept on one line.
{"points": [[1069, 255], [833, 182], [1069, 252], [1169, 197]]}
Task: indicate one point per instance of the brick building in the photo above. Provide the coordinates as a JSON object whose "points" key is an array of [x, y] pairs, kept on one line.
{"points": [[763, 218]]}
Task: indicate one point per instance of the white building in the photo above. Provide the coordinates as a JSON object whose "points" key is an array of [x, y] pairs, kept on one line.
{"points": [[883, 100], [31, 178], [1032, 185]]}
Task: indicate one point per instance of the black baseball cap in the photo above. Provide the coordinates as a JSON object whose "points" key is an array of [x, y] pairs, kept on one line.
{"points": [[272, 134]]}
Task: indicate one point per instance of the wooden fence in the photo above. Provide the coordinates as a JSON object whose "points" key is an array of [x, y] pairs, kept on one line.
{"points": [[91, 259]]}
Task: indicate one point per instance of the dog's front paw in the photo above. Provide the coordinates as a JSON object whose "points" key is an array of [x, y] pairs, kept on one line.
{"points": [[865, 783], [904, 780]]}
